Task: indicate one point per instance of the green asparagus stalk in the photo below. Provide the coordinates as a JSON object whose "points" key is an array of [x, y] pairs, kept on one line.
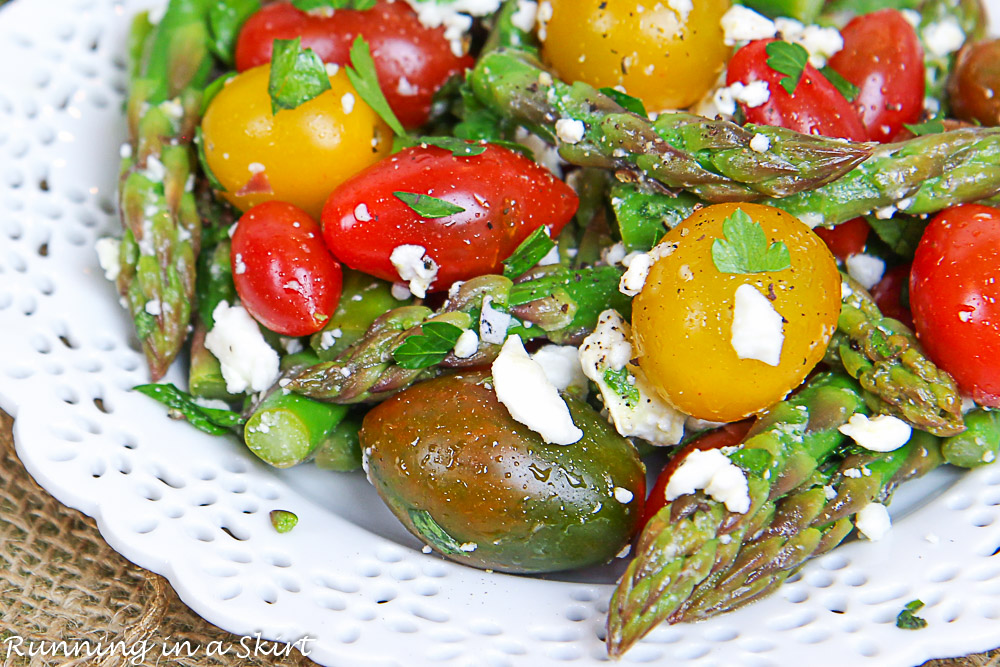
{"points": [[689, 537], [285, 429], [341, 450], [805, 11], [554, 302], [205, 372], [182, 405], [158, 208], [713, 159], [980, 442], [504, 34], [362, 300], [885, 357]]}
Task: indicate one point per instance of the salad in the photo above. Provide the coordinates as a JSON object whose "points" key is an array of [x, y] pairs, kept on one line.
{"points": [[472, 248]]}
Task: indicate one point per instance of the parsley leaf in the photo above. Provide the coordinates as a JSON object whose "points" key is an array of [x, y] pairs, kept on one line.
{"points": [[297, 75], [907, 621], [428, 207], [843, 86], [361, 73], [428, 348], [225, 18], [458, 147], [745, 250], [788, 59], [433, 534], [626, 101], [618, 381], [310, 5], [930, 127], [182, 404], [532, 249]]}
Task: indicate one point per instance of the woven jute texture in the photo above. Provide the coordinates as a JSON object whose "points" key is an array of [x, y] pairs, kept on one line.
{"points": [[59, 581]]}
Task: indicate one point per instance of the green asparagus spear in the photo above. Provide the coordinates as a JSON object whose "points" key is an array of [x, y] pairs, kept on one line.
{"points": [[801, 10], [889, 363], [285, 428], [158, 208], [979, 443], [680, 546], [362, 299], [554, 302], [505, 34], [213, 421], [713, 159], [205, 372], [341, 450]]}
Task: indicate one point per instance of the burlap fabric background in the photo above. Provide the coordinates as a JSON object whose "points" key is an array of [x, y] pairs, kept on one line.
{"points": [[60, 581]]}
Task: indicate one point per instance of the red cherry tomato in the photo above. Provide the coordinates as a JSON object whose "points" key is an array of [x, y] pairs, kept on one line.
{"points": [[955, 297], [882, 56], [412, 61], [724, 436], [815, 108], [846, 239], [505, 195], [888, 294], [284, 274]]}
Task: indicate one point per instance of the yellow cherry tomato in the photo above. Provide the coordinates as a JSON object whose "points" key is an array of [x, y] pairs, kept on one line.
{"points": [[683, 318], [297, 155], [665, 53]]}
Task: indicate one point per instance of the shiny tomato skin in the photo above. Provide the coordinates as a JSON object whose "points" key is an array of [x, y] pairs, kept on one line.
{"points": [[846, 239], [505, 195], [888, 294], [882, 56], [816, 107], [955, 297], [727, 435], [284, 274], [411, 60]]}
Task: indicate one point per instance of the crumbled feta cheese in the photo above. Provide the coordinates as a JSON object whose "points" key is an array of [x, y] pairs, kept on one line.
{"points": [[542, 18], [821, 43], [523, 17], [561, 364], [753, 94], [873, 521], [623, 495], [248, 362], [866, 269], [400, 292], [649, 417], [331, 69], [885, 212], [240, 266], [455, 16], [912, 17], [125, 151], [291, 345], [639, 264], [551, 257], [493, 323], [569, 130], [757, 329], [466, 345], [944, 37], [760, 143], [811, 219], [845, 290], [425, 549], [883, 433], [829, 492], [329, 338], [968, 404], [713, 472], [154, 307], [741, 24], [529, 397], [415, 266], [347, 103], [256, 168], [468, 547], [405, 88], [682, 8], [544, 153], [155, 171], [108, 253], [626, 550]]}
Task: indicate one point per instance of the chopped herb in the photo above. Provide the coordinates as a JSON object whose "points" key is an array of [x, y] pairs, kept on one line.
{"points": [[310, 5], [626, 101], [183, 405], [930, 127], [788, 59], [845, 87], [618, 380], [433, 534], [225, 18], [428, 207], [907, 621], [745, 250], [531, 250], [428, 348], [458, 147], [283, 520], [516, 147], [361, 73], [297, 75]]}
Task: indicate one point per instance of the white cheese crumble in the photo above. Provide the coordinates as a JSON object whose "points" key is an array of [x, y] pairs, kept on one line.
{"points": [[740, 24], [544, 153], [329, 338], [614, 254], [154, 307], [523, 17], [108, 252], [240, 267], [248, 362], [753, 94], [866, 269], [873, 521], [811, 219], [416, 267], [760, 143], [883, 433], [561, 364], [712, 472], [682, 8], [649, 417], [529, 397], [405, 88], [466, 345], [347, 103], [821, 43], [468, 547], [400, 292], [155, 171], [331, 69], [455, 16], [542, 18], [757, 329], [639, 265], [944, 37], [551, 257], [493, 323], [361, 212], [570, 130], [623, 495]]}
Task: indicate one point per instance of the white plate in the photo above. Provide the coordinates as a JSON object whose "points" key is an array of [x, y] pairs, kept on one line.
{"points": [[195, 508]]}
